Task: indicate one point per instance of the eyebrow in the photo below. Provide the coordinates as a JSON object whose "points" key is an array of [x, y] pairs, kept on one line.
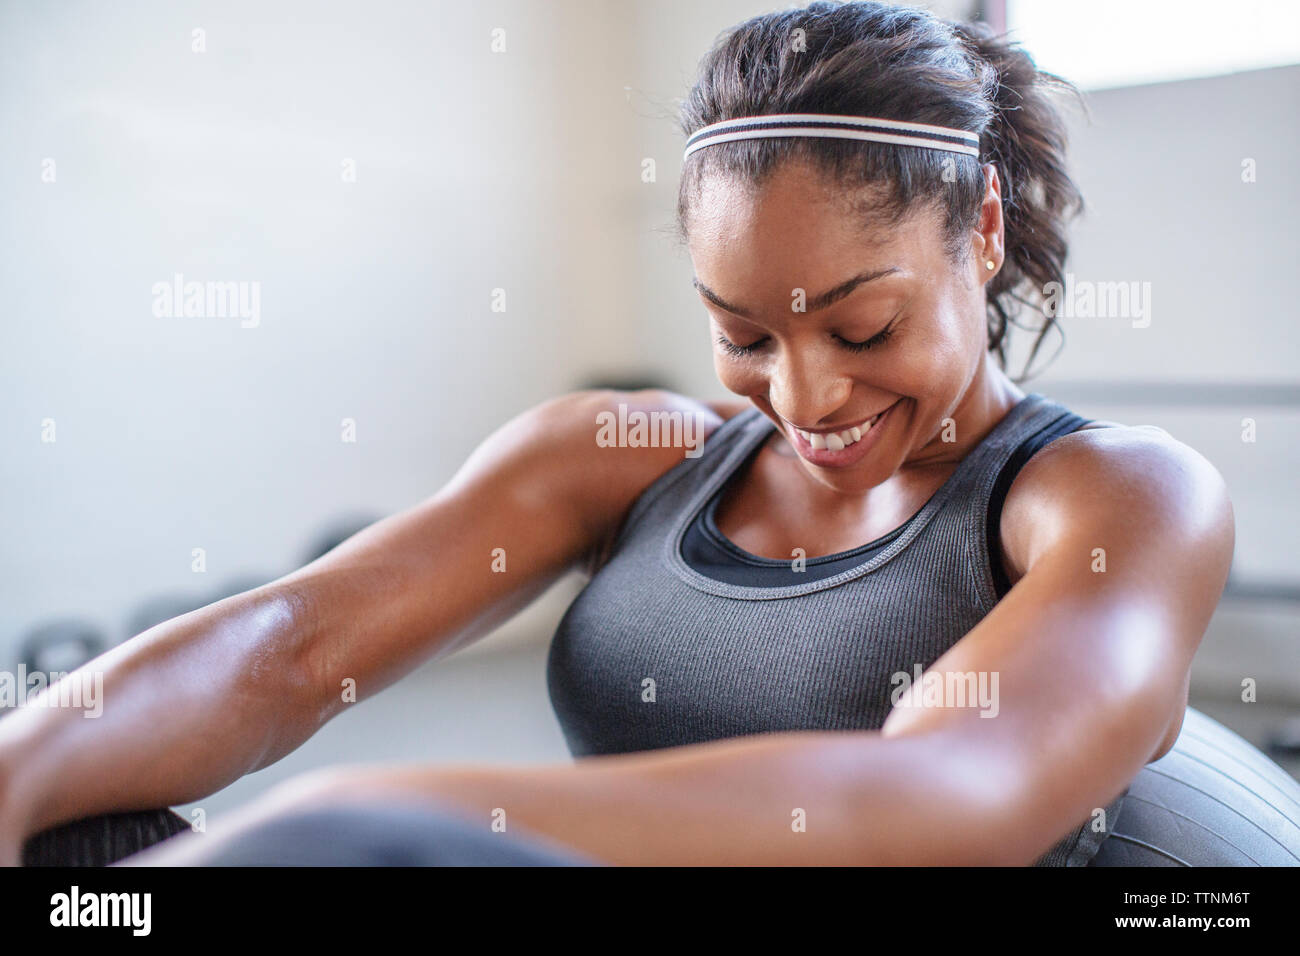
{"points": [[814, 304]]}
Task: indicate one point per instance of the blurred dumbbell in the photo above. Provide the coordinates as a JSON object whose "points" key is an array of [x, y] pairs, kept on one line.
{"points": [[61, 645], [1284, 738]]}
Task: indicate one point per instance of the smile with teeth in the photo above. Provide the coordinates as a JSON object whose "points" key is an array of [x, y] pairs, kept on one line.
{"points": [[838, 441]]}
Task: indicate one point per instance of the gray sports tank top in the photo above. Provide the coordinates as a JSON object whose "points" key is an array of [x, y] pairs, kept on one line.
{"points": [[730, 659]]}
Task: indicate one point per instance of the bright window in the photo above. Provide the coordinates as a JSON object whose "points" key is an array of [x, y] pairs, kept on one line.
{"points": [[1104, 43]]}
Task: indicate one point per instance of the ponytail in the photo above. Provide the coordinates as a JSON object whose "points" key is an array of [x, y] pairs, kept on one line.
{"points": [[1026, 140]]}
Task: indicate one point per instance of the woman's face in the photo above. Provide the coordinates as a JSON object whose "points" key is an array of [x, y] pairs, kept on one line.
{"points": [[823, 323]]}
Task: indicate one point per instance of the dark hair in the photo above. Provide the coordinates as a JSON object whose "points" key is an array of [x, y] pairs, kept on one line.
{"points": [[904, 63]]}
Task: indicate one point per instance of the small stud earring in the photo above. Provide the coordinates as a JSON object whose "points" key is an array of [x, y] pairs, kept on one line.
{"points": [[989, 265]]}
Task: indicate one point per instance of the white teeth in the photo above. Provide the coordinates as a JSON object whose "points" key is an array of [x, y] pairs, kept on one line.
{"points": [[838, 441], [833, 441]]}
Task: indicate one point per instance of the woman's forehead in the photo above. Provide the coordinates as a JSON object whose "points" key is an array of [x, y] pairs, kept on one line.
{"points": [[804, 243], [798, 205]]}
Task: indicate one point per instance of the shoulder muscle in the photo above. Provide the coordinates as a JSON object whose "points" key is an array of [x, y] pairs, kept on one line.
{"points": [[580, 453], [1153, 505]]}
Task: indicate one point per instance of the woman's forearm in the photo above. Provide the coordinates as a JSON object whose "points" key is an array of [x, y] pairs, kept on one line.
{"points": [[799, 798], [184, 709]]}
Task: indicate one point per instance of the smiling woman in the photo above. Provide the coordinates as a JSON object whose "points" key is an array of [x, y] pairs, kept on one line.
{"points": [[769, 663]]}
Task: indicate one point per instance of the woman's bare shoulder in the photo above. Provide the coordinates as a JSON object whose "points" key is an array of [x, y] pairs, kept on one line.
{"points": [[615, 443], [604, 448], [1129, 475]]}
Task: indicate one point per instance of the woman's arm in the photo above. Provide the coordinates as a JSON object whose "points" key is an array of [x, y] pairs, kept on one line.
{"points": [[798, 798], [1126, 538], [1091, 672], [198, 701]]}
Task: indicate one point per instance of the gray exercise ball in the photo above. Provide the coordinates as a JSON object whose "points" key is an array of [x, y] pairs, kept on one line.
{"points": [[1213, 800]]}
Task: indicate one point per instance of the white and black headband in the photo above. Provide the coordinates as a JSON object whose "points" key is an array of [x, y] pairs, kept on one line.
{"points": [[867, 128]]}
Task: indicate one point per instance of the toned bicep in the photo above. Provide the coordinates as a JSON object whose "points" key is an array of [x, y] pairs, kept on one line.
{"points": [[1086, 658]]}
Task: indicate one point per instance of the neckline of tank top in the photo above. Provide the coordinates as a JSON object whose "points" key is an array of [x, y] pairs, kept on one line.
{"points": [[709, 525], [751, 427]]}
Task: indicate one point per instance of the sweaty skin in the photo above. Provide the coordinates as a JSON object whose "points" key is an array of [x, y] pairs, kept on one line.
{"points": [[1093, 666]]}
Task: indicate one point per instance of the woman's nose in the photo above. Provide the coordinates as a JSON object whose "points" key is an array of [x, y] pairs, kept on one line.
{"points": [[804, 391]]}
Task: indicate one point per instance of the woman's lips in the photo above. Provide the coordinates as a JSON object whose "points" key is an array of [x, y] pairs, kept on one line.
{"points": [[834, 453]]}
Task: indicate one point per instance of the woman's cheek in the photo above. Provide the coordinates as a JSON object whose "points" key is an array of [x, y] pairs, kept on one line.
{"points": [[740, 378], [936, 369]]}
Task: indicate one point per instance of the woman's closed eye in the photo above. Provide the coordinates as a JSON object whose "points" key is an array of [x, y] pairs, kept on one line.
{"points": [[732, 348], [742, 350], [880, 338]]}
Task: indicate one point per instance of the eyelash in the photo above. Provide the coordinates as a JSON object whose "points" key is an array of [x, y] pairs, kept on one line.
{"points": [[740, 351]]}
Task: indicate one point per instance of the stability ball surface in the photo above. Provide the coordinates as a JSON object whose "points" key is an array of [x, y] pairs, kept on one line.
{"points": [[1213, 800]]}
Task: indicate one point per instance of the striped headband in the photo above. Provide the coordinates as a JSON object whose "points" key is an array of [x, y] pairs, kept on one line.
{"points": [[836, 127]]}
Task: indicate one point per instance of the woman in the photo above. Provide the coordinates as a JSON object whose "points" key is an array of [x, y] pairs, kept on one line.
{"points": [[746, 680]]}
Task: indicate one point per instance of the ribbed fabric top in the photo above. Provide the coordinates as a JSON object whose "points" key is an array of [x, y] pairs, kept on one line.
{"points": [[706, 549], [653, 653]]}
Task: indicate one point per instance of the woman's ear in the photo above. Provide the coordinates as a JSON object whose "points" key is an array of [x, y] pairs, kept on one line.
{"points": [[987, 239]]}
